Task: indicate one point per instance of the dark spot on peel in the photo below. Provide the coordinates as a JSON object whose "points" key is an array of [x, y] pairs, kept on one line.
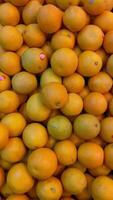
{"points": [[96, 63], [52, 189], [96, 125]]}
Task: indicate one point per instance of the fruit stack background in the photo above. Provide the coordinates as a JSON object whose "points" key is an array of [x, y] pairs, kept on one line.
{"points": [[56, 100]]}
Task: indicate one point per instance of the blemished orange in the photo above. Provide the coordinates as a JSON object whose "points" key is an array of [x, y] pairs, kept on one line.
{"points": [[91, 155], [102, 188], [34, 60], [15, 122], [108, 151], [17, 197], [12, 17], [53, 16], [42, 163], [18, 2], [14, 151], [107, 44], [84, 92], [10, 38], [64, 62], [47, 49], [74, 83], [90, 38], [66, 152], [35, 136], [86, 60], [107, 129], [2, 176], [75, 18], [5, 82], [50, 188], [74, 105], [22, 49], [9, 101], [21, 28], [4, 135], [35, 109], [30, 12], [95, 83], [24, 82], [12, 67], [33, 36], [101, 52], [111, 105], [59, 127], [63, 39], [109, 65], [107, 18], [23, 182], [86, 126], [73, 180], [66, 3], [93, 101], [100, 171]]}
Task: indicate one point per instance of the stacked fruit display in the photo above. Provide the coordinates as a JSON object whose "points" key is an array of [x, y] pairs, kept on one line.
{"points": [[56, 99]]}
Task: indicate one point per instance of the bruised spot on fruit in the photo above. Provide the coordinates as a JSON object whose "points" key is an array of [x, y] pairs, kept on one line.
{"points": [[42, 56]]}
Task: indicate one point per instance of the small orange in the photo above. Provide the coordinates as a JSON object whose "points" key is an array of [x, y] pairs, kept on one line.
{"points": [[5, 190], [22, 98], [64, 62], [107, 44], [66, 152], [59, 170], [4, 135], [79, 166], [100, 171], [5, 82], [108, 97], [77, 50], [75, 18], [53, 16], [109, 65], [5, 165], [98, 140], [23, 111], [50, 188], [92, 103], [17, 197], [73, 180], [23, 182], [10, 38], [11, 67], [22, 49], [76, 140], [91, 155], [51, 142], [63, 39], [90, 63], [42, 163], [12, 17], [101, 52], [84, 92], [66, 3], [47, 49], [18, 2], [21, 28], [2, 177], [107, 129], [108, 151], [111, 106], [74, 83]]}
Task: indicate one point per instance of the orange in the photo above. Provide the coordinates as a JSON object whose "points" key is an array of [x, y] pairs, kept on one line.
{"points": [[109, 67], [73, 106], [95, 83], [5, 82], [12, 17], [108, 97], [35, 136], [2, 177], [51, 142], [92, 103], [66, 152], [5, 165], [47, 49], [107, 129], [77, 50], [98, 140], [17, 197], [59, 127], [73, 180], [42, 163], [75, 18], [34, 60], [10, 38], [108, 151], [76, 140], [84, 92], [88, 59], [63, 39], [22, 98], [74, 83], [101, 52], [5, 190], [18, 2], [107, 44], [30, 11], [90, 38], [33, 36], [50, 188], [24, 82], [91, 155], [102, 188], [107, 18], [12, 67], [59, 170], [23, 182], [100, 171], [35, 109], [22, 49], [53, 16], [48, 76], [64, 62], [9, 101], [86, 126], [21, 28], [23, 111], [79, 166], [66, 3], [14, 151], [4, 135], [54, 95], [111, 106], [15, 123]]}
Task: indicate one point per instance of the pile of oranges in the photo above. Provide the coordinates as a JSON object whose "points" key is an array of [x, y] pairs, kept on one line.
{"points": [[56, 99]]}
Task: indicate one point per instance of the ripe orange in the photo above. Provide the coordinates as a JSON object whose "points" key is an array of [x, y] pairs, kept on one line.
{"points": [[47, 49], [108, 151], [79, 166], [76, 140], [100, 171], [59, 127], [91, 155], [50, 188], [101, 52], [98, 140], [21, 28], [107, 44], [88, 59], [5, 82], [17, 197], [42, 163], [2, 177], [4, 135], [5, 165], [84, 92], [75, 18], [109, 67], [22, 49], [109, 97], [59, 170], [5, 190], [107, 129], [51, 142], [66, 3], [64, 62]]}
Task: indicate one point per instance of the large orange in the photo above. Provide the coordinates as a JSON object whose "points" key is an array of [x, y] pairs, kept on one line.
{"points": [[4, 135], [108, 151], [17, 197], [100, 171], [5, 82], [107, 129], [107, 44]]}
